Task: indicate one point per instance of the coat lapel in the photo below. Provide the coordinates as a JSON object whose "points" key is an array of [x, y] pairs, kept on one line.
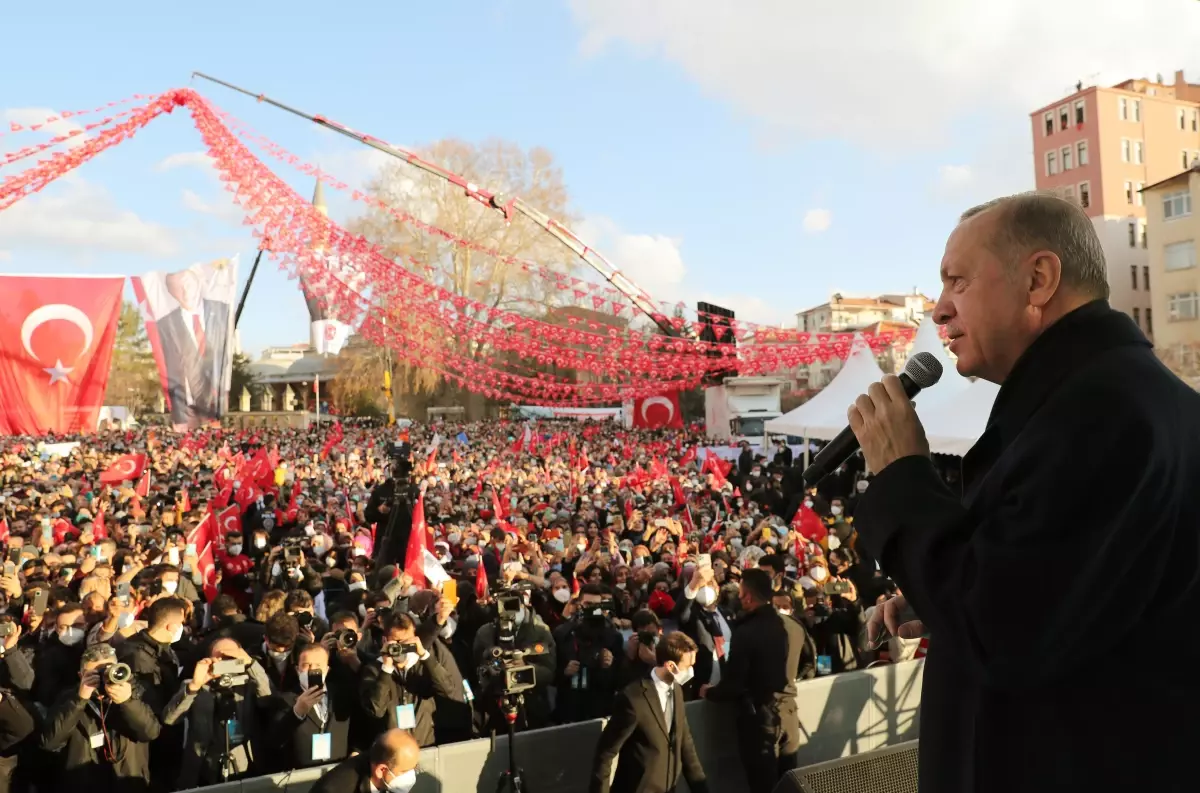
{"points": [[651, 694]]}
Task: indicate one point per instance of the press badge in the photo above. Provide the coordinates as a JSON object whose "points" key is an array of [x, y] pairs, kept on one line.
{"points": [[406, 717], [233, 729], [468, 694], [322, 747], [97, 740], [824, 665]]}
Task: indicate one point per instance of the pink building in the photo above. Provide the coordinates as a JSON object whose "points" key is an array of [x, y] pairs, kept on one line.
{"points": [[1100, 147]]}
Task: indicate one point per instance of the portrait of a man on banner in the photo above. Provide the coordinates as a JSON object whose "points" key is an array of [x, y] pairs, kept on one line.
{"points": [[189, 319]]}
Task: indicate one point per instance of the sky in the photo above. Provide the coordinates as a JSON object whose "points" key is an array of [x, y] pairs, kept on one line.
{"points": [[759, 154]]}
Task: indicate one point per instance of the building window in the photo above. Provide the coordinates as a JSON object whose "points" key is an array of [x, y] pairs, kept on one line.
{"points": [[1149, 321], [1177, 204], [1195, 157], [1129, 198], [1138, 197], [1146, 277], [1051, 163], [1126, 150], [1195, 128], [1137, 110], [1069, 192], [1181, 115], [1081, 153], [1078, 112], [1085, 194], [1133, 277], [1064, 117], [1048, 120], [1179, 256], [1183, 306], [1137, 316], [1133, 240], [1122, 108], [1138, 152], [1142, 228], [1185, 159], [1066, 158]]}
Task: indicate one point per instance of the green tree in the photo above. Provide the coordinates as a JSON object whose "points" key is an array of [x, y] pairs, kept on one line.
{"points": [[133, 377], [240, 377]]}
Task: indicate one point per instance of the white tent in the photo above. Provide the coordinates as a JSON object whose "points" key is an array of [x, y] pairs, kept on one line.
{"points": [[824, 416], [958, 422]]}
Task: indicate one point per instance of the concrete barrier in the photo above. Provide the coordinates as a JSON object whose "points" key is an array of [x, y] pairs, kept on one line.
{"points": [[841, 715]]}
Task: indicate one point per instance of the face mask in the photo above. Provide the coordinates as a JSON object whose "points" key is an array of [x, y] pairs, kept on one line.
{"points": [[170, 587], [312, 677], [411, 660], [403, 783], [861, 485], [582, 546], [125, 620], [684, 677], [356, 586], [276, 570], [360, 551], [453, 538], [235, 549], [177, 635], [638, 561], [835, 510], [562, 595], [70, 636], [706, 596], [260, 542], [620, 585], [808, 503], [785, 612], [818, 574]]}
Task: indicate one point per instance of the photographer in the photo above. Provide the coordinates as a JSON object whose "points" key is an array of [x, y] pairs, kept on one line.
{"points": [[393, 530], [310, 725], [16, 671], [101, 729], [300, 605], [640, 654], [347, 657], [56, 659], [221, 705], [591, 658], [515, 628], [17, 724], [399, 690], [275, 654], [437, 628]]}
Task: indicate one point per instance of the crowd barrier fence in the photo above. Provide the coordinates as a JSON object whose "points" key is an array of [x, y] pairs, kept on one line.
{"points": [[840, 715]]}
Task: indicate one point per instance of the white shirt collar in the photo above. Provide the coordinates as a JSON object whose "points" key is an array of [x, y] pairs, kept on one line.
{"points": [[660, 685]]}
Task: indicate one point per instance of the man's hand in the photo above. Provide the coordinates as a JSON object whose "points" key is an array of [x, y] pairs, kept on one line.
{"points": [[11, 640], [704, 691], [350, 660], [886, 424], [606, 658], [88, 684], [444, 609], [306, 701], [119, 692], [201, 675], [889, 615], [572, 669], [11, 585]]}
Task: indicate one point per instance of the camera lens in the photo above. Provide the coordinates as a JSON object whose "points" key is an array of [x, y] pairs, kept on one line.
{"points": [[347, 639], [117, 673]]}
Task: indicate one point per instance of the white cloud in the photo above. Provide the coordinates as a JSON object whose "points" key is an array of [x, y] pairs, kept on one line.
{"points": [[5, 256], [817, 220], [954, 177], [883, 73], [31, 116], [224, 210], [185, 159], [76, 215]]}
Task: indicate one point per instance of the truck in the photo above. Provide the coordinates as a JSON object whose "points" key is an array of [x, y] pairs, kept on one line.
{"points": [[736, 410]]}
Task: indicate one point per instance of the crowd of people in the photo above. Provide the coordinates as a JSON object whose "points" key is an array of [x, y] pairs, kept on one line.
{"points": [[149, 646]]}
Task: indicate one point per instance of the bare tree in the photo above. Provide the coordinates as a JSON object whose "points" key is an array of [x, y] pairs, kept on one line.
{"points": [[493, 281], [133, 377], [1183, 360]]}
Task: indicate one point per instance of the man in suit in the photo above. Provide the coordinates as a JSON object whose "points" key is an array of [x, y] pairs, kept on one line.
{"points": [[648, 734], [390, 765], [698, 615], [193, 338], [1091, 456]]}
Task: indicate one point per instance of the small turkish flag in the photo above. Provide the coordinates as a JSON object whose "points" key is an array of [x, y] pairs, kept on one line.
{"points": [[229, 519], [414, 560], [125, 468], [658, 412], [143, 486]]}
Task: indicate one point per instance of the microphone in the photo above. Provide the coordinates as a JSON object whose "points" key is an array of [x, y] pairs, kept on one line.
{"points": [[922, 371]]}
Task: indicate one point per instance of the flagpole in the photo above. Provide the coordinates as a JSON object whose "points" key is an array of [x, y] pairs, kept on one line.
{"points": [[317, 387]]}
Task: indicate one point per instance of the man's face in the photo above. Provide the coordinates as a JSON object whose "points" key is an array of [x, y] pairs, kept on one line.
{"points": [[984, 302], [589, 601], [70, 619], [315, 661], [685, 663], [400, 635], [185, 288]]}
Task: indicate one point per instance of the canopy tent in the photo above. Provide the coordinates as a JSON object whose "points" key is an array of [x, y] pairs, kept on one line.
{"points": [[955, 425], [824, 416]]}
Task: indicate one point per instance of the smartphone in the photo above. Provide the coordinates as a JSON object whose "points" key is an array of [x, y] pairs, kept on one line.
{"points": [[123, 593], [706, 560], [10, 568], [837, 587], [450, 591], [41, 598], [14, 556]]}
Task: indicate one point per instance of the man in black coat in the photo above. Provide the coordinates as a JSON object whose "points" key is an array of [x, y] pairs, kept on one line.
{"points": [[1077, 524], [390, 764]]}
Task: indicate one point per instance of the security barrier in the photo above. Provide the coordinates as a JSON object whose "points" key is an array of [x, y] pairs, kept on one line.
{"points": [[840, 715]]}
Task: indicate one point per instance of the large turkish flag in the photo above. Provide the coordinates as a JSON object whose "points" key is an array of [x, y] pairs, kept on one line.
{"points": [[56, 344], [658, 412]]}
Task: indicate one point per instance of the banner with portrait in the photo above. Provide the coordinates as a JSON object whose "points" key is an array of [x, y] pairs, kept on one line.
{"points": [[189, 321]]}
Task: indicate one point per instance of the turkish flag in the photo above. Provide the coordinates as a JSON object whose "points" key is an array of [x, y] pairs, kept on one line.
{"points": [[56, 344], [414, 560], [658, 412], [125, 468], [143, 486], [246, 495], [229, 519], [202, 537]]}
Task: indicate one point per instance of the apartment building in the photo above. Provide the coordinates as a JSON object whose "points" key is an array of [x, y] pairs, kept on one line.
{"points": [[1174, 276], [1101, 147]]}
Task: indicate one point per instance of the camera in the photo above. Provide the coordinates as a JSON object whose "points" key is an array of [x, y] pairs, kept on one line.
{"points": [[7, 628], [397, 650], [400, 454], [837, 587], [346, 639], [228, 673], [647, 639], [596, 613], [505, 672], [111, 674], [304, 619]]}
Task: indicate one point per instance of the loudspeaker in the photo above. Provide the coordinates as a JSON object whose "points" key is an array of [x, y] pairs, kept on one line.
{"points": [[716, 328], [890, 770]]}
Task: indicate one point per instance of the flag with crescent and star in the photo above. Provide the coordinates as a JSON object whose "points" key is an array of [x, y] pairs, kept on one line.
{"points": [[56, 344], [658, 412]]}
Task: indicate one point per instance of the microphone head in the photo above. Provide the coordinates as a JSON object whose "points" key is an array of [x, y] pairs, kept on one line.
{"points": [[924, 369]]}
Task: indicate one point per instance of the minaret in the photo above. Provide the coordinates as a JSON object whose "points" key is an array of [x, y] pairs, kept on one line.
{"points": [[318, 201]]}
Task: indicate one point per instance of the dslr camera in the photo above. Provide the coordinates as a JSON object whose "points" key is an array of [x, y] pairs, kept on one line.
{"points": [[346, 639], [397, 650], [505, 673], [115, 672], [229, 673]]}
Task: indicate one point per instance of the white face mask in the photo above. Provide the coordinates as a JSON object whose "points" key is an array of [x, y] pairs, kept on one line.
{"points": [[177, 635], [356, 586], [684, 677], [311, 677], [403, 783], [260, 542], [359, 550], [861, 485], [70, 636], [818, 574], [234, 549], [125, 620], [170, 587], [411, 660], [835, 510], [173, 555], [785, 612], [274, 655], [706, 596], [562, 595], [276, 570]]}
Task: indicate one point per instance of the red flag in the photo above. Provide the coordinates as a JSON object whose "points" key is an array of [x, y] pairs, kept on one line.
{"points": [[481, 582], [809, 525], [56, 344], [185, 503], [229, 519], [143, 486], [658, 412], [677, 490], [125, 468], [3, 529], [99, 530], [202, 537], [497, 507], [414, 560], [246, 495]]}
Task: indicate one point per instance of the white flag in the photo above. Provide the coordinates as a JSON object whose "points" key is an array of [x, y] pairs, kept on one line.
{"points": [[435, 574], [328, 335]]}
